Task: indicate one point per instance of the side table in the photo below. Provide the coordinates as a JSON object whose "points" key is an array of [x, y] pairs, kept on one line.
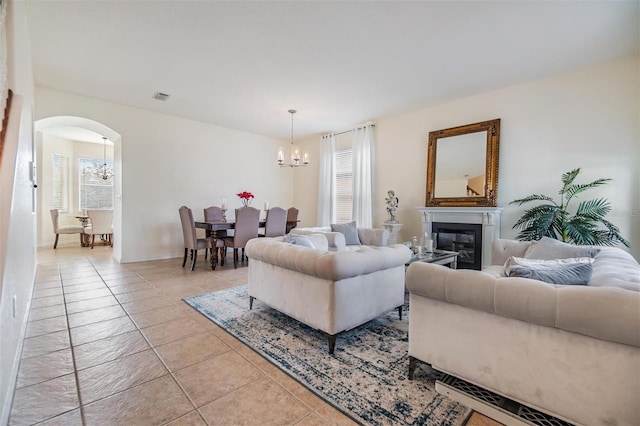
{"points": [[439, 257]]}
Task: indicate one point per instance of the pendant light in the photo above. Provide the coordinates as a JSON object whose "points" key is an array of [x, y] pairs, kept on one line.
{"points": [[296, 160]]}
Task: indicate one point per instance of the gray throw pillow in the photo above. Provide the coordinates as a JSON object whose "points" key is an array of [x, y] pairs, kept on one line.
{"points": [[555, 273], [548, 248], [350, 231]]}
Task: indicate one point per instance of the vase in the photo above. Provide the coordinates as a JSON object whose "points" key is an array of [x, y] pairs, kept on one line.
{"points": [[246, 202]]}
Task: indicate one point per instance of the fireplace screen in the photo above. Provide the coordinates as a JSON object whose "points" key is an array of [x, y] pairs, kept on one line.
{"points": [[464, 238]]}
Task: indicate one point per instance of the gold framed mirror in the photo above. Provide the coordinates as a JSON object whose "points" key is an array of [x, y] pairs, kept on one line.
{"points": [[462, 166]]}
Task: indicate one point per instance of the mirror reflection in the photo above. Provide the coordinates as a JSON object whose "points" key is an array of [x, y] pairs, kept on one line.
{"points": [[460, 166]]}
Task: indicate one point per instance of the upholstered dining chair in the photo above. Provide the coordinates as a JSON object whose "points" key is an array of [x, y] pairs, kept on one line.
{"points": [[276, 222], [100, 223], [191, 240], [292, 217], [246, 228], [215, 213], [66, 229]]}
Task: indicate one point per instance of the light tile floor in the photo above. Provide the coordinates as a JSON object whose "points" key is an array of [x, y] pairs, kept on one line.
{"points": [[113, 344]]}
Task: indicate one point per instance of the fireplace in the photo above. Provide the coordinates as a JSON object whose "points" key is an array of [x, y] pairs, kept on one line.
{"points": [[488, 218], [465, 238]]}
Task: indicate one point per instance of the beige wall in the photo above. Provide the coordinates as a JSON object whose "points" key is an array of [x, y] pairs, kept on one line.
{"points": [[588, 118], [167, 162]]}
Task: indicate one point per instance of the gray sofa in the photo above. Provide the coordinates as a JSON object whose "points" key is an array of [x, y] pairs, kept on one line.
{"points": [[332, 291], [572, 351]]}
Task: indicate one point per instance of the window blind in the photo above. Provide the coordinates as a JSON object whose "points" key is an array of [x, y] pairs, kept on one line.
{"points": [[344, 185], [61, 183]]}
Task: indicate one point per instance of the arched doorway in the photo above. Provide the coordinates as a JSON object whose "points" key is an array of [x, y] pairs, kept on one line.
{"points": [[83, 136]]}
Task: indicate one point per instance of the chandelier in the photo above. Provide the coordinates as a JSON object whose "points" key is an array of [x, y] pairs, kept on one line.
{"points": [[103, 172], [296, 161]]}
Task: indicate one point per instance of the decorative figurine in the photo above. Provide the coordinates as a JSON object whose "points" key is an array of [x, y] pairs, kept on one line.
{"points": [[392, 205]]}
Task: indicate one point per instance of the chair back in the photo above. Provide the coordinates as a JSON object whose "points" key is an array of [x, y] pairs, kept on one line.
{"points": [[276, 223], [54, 219], [101, 221], [246, 227], [292, 217], [213, 213], [188, 228]]}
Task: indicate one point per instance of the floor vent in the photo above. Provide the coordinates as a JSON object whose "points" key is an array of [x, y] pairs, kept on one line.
{"points": [[493, 405]]}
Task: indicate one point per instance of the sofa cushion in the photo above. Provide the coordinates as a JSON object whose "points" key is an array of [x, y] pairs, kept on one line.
{"points": [[548, 248], [349, 230]]}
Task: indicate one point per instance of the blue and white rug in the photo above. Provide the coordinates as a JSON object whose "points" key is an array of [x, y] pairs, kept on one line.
{"points": [[366, 378]]}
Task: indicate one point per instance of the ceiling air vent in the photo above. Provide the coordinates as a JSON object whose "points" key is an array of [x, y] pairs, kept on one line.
{"points": [[160, 96]]}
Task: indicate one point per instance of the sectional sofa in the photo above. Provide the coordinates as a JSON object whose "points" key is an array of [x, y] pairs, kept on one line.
{"points": [[572, 351]]}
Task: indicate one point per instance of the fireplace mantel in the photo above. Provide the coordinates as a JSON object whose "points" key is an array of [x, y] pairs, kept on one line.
{"points": [[488, 217]]}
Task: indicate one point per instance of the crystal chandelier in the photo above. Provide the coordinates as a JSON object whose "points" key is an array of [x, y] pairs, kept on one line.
{"points": [[296, 161], [103, 172]]}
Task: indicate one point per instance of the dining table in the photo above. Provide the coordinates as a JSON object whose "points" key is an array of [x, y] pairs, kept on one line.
{"points": [[213, 226]]}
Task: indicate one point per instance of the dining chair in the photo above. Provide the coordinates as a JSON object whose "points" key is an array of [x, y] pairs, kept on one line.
{"points": [[191, 240], [246, 228], [101, 224], [65, 229], [215, 213], [275, 223], [292, 217]]}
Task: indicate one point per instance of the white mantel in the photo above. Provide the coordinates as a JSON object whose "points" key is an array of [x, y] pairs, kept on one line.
{"points": [[488, 217]]}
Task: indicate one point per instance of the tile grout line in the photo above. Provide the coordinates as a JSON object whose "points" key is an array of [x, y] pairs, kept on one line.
{"points": [[73, 352], [170, 373]]}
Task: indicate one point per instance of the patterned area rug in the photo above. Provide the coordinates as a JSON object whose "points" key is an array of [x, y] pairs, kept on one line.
{"points": [[366, 378]]}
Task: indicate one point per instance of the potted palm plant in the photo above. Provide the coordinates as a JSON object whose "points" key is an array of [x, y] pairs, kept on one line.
{"points": [[586, 226]]}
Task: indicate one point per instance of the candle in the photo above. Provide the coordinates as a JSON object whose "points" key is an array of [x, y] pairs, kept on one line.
{"points": [[280, 155], [224, 203], [266, 205]]}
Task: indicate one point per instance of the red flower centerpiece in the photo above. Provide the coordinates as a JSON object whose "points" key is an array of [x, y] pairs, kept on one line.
{"points": [[245, 197]]}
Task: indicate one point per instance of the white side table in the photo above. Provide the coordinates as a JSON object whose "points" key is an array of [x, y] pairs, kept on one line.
{"points": [[393, 228]]}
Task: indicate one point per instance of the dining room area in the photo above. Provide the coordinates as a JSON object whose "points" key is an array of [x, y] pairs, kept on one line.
{"points": [[215, 234]]}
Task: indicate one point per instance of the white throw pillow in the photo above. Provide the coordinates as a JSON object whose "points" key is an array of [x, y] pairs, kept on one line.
{"points": [[300, 240], [549, 249], [514, 261], [314, 241], [319, 241]]}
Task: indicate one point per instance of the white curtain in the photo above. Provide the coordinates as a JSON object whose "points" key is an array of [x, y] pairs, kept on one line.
{"points": [[327, 181], [363, 142]]}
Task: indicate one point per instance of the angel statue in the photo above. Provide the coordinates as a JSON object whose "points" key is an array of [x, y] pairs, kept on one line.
{"points": [[392, 205]]}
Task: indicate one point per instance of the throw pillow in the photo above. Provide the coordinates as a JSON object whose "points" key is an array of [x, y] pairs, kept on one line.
{"points": [[300, 240], [564, 274], [319, 241], [548, 248], [349, 230]]}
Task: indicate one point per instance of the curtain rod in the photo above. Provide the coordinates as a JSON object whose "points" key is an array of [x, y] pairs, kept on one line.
{"points": [[350, 130]]}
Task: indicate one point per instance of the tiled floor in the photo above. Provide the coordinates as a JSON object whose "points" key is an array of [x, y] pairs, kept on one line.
{"points": [[113, 344]]}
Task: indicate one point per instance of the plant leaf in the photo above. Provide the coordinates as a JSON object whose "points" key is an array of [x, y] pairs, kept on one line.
{"points": [[576, 189], [534, 197]]}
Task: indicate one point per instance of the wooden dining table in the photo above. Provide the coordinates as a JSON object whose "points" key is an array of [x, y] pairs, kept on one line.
{"points": [[213, 226]]}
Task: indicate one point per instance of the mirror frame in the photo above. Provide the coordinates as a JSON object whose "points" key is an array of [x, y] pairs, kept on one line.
{"points": [[490, 199]]}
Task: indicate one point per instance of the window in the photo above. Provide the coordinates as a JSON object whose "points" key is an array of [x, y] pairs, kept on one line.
{"points": [[344, 186], [95, 193], [61, 183]]}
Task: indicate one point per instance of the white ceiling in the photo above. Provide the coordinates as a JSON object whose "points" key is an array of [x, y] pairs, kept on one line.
{"points": [[243, 64]]}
